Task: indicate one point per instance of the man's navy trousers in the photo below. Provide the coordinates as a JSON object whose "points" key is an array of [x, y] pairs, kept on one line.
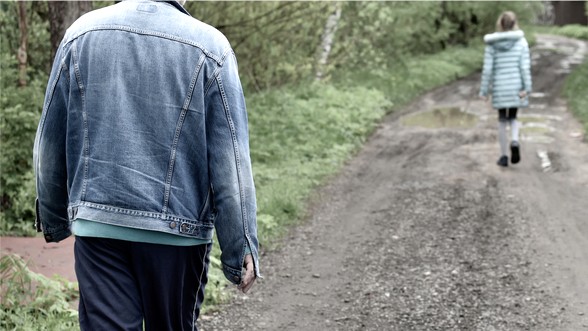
{"points": [[124, 284]]}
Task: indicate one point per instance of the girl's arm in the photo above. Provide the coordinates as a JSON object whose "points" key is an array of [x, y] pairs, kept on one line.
{"points": [[525, 64], [487, 70]]}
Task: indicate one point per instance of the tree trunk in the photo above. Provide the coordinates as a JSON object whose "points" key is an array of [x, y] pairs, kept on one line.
{"points": [[62, 14], [22, 48], [327, 40]]}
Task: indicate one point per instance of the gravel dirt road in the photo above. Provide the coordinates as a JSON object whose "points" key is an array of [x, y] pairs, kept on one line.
{"points": [[423, 231]]}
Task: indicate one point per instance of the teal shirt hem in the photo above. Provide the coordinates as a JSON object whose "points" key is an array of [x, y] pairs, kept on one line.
{"points": [[88, 228]]}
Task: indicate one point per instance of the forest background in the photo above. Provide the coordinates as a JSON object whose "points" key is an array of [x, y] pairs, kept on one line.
{"points": [[317, 78]]}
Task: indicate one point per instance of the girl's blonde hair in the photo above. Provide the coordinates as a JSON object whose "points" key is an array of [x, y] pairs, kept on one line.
{"points": [[507, 21]]}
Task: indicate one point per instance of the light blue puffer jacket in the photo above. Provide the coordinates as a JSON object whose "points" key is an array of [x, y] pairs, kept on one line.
{"points": [[507, 69]]}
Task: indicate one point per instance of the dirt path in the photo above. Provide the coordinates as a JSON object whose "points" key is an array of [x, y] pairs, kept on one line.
{"points": [[47, 259], [422, 231]]}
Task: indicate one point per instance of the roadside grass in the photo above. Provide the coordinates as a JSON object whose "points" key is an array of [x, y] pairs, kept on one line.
{"points": [[410, 76], [572, 30], [577, 82], [574, 90]]}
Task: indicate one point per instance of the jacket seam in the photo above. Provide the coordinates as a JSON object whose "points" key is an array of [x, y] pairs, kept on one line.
{"points": [[50, 99], [86, 144], [205, 206], [236, 152], [148, 33], [217, 70], [178, 132]]}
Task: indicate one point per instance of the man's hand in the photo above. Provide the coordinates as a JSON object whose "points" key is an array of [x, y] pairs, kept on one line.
{"points": [[522, 94], [484, 98], [249, 278]]}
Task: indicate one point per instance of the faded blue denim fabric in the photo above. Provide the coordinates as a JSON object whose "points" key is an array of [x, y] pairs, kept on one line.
{"points": [[144, 125]]}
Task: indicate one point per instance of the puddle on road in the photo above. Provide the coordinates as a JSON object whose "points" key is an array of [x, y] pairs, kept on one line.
{"points": [[537, 139], [537, 130], [441, 118], [532, 119]]}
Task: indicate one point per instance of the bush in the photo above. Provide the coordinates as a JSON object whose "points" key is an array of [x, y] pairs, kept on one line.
{"points": [[409, 77], [20, 109], [573, 31]]}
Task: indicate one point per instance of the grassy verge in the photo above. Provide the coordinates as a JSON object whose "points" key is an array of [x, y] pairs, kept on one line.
{"points": [[575, 92], [577, 82], [572, 30], [410, 77]]}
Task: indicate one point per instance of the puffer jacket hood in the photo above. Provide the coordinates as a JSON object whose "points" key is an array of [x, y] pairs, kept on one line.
{"points": [[504, 40]]}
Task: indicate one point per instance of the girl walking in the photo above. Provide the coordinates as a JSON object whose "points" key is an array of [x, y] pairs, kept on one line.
{"points": [[507, 69]]}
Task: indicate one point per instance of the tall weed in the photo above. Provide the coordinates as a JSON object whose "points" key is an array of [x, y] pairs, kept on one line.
{"points": [[32, 302]]}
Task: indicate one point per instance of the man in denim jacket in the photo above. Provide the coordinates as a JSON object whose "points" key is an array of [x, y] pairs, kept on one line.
{"points": [[141, 151]]}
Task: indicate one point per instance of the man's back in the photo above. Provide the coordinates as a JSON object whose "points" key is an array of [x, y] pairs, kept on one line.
{"points": [[155, 136]]}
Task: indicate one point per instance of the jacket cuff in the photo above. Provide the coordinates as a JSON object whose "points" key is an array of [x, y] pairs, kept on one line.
{"points": [[58, 236], [232, 274]]}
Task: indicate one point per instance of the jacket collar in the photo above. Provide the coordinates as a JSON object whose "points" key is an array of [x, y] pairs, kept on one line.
{"points": [[506, 35], [178, 7], [175, 4]]}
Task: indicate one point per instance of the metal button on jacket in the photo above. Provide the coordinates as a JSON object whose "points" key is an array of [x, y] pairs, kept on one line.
{"points": [[172, 225]]}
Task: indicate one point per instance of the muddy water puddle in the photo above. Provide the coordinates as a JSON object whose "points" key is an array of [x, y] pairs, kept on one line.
{"points": [[451, 117]]}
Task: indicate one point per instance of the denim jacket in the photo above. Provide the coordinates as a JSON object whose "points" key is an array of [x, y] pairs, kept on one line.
{"points": [[144, 125]]}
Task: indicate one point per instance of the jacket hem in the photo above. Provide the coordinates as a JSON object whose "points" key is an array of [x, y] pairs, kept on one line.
{"points": [[232, 274], [144, 220]]}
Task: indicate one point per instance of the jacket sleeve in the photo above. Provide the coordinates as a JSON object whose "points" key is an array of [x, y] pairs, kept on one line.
{"points": [[487, 70], [230, 170], [525, 64], [49, 155]]}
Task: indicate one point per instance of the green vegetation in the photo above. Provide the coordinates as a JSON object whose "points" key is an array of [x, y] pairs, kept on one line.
{"points": [[577, 83], [575, 91], [572, 30], [19, 113], [31, 301]]}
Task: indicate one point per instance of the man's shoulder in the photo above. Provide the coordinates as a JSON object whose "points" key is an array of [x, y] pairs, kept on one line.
{"points": [[167, 22]]}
